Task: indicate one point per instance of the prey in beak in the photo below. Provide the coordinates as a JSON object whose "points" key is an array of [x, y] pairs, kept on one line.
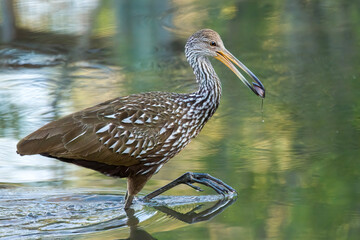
{"points": [[227, 58]]}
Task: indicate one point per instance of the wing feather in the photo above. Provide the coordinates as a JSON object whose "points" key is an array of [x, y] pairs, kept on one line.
{"points": [[117, 132]]}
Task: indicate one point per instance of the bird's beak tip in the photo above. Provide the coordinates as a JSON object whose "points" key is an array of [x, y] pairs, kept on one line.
{"points": [[259, 90]]}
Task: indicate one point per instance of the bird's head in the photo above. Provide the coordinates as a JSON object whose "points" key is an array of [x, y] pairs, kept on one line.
{"points": [[208, 43]]}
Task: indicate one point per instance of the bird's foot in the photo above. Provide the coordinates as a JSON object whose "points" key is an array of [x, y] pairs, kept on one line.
{"points": [[189, 178]]}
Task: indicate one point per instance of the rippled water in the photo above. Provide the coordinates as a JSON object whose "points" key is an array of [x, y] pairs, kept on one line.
{"points": [[296, 167], [45, 212]]}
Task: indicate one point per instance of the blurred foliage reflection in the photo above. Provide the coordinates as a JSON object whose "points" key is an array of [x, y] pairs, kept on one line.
{"points": [[297, 172]]}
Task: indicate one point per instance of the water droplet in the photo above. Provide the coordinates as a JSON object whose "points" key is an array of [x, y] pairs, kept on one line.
{"points": [[262, 110]]}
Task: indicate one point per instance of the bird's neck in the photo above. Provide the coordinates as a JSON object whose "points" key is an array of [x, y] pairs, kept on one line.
{"points": [[209, 82]]}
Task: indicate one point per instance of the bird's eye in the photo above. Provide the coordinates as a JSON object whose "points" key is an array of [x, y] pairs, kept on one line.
{"points": [[212, 43]]}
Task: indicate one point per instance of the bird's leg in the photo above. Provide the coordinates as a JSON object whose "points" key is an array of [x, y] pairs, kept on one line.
{"points": [[126, 195], [134, 185], [189, 178], [128, 201]]}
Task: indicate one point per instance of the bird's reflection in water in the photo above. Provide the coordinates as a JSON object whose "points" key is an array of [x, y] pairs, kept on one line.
{"points": [[192, 216], [136, 232]]}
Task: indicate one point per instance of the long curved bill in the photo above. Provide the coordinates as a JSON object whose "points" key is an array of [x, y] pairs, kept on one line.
{"points": [[226, 58]]}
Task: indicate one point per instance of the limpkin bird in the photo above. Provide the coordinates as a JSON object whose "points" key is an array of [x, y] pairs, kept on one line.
{"points": [[134, 136]]}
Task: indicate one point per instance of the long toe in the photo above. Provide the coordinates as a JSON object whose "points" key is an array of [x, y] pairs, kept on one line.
{"points": [[216, 180], [219, 186]]}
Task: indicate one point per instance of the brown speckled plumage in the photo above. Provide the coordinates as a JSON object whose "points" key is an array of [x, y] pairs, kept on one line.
{"points": [[134, 136]]}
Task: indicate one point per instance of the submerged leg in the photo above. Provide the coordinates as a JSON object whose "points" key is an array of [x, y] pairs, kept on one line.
{"points": [[189, 178]]}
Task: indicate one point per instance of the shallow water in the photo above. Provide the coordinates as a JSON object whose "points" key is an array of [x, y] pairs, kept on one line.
{"points": [[295, 167], [45, 212]]}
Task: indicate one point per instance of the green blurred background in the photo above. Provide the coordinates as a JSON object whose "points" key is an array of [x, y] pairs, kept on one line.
{"points": [[295, 167]]}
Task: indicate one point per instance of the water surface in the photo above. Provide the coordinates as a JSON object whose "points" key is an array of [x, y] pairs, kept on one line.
{"points": [[297, 172]]}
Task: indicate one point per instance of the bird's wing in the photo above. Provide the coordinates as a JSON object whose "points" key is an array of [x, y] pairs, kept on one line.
{"points": [[117, 132]]}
